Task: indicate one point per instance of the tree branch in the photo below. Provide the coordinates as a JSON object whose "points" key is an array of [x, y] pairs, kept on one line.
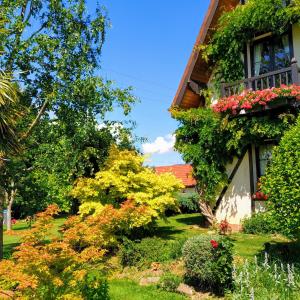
{"points": [[35, 121], [37, 31]]}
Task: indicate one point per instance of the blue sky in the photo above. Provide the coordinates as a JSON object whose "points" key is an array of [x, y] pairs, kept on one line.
{"points": [[148, 47]]}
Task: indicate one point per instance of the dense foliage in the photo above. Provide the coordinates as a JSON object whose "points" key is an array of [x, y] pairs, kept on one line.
{"points": [[282, 182], [148, 250], [200, 140], [209, 141], [260, 223], [124, 177], [169, 282], [236, 27], [208, 262], [188, 202]]}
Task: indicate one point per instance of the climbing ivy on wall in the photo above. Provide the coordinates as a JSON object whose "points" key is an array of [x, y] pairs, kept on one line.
{"points": [[210, 140], [235, 28]]}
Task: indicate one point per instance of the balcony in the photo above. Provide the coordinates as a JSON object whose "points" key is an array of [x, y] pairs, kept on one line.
{"points": [[286, 76]]}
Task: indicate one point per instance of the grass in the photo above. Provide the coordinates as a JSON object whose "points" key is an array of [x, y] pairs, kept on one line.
{"points": [[245, 245], [180, 226], [129, 290], [11, 240]]}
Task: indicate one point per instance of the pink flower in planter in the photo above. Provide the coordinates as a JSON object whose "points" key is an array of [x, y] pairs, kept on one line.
{"points": [[247, 99]]}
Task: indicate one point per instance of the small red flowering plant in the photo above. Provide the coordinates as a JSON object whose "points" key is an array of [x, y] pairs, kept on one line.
{"points": [[214, 244], [249, 99], [224, 227], [260, 196]]}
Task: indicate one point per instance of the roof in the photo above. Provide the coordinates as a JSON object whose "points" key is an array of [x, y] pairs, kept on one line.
{"points": [[182, 172], [197, 71]]}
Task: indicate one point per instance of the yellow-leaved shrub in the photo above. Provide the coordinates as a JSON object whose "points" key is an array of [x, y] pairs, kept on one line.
{"points": [[125, 177]]}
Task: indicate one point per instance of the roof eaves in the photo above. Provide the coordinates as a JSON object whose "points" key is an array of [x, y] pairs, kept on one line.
{"points": [[194, 56]]}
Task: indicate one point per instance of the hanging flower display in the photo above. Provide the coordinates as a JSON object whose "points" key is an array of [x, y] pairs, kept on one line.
{"points": [[249, 100]]}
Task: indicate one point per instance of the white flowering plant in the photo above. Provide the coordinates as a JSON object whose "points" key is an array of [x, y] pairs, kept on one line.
{"points": [[265, 280]]}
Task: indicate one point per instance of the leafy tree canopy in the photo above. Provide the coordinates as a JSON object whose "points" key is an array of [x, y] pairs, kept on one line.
{"points": [[53, 48]]}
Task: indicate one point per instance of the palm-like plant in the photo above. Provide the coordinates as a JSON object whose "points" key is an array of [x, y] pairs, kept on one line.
{"points": [[9, 114]]}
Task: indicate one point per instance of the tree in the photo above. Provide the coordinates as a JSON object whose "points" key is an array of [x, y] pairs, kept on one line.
{"points": [[200, 139], [124, 177], [53, 49], [282, 183]]}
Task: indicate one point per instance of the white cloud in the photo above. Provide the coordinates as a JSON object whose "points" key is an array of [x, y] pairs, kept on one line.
{"points": [[160, 145]]}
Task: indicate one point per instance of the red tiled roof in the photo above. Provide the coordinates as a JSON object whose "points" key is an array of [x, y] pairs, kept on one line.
{"points": [[182, 172]]}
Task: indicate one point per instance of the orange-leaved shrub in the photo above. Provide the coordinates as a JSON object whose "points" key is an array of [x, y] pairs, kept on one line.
{"points": [[46, 267]]}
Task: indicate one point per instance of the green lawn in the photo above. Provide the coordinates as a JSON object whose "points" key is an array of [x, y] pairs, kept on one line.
{"points": [[13, 240], [183, 226], [129, 290]]}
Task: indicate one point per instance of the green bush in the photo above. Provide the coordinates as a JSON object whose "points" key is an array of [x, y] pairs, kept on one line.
{"points": [[153, 249], [208, 262], [95, 287], [260, 223], [282, 182], [169, 282], [188, 202]]}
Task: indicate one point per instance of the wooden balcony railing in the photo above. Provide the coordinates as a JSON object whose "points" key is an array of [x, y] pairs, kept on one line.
{"points": [[285, 76]]}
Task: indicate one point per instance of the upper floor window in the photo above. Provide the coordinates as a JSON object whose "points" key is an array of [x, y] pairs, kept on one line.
{"points": [[271, 54]]}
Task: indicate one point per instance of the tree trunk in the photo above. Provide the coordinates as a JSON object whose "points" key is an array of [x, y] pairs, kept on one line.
{"points": [[205, 208], [207, 212], [10, 200]]}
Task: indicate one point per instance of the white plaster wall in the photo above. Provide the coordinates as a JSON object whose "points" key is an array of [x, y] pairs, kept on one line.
{"points": [[296, 41], [236, 203]]}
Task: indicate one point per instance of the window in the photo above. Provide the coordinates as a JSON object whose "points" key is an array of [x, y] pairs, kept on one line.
{"points": [[263, 158], [271, 54]]}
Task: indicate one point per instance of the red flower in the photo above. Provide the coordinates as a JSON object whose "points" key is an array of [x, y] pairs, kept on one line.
{"points": [[214, 244], [260, 196]]}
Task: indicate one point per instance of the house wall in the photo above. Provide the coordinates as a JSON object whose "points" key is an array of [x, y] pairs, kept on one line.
{"points": [[236, 203], [296, 42]]}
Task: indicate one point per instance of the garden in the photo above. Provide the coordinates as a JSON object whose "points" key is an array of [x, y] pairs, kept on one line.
{"points": [[86, 218], [157, 264]]}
